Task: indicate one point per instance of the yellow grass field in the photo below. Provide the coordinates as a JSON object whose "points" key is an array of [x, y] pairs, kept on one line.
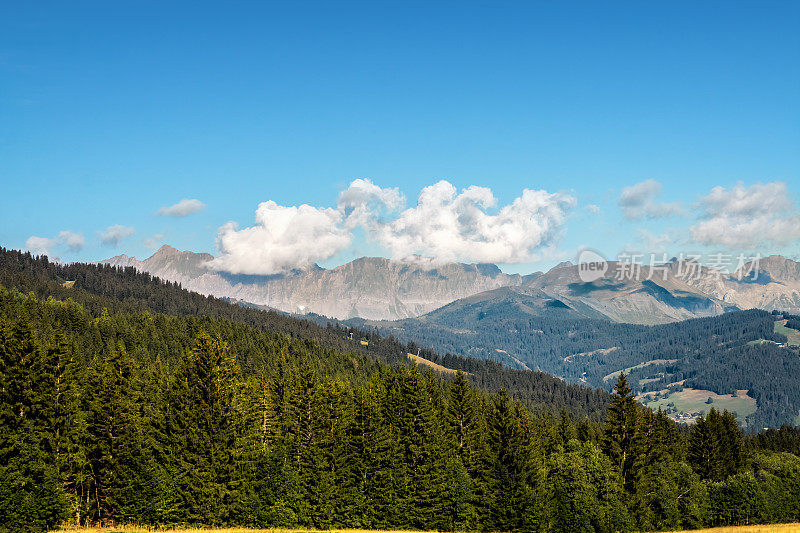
{"points": [[775, 528], [135, 529]]}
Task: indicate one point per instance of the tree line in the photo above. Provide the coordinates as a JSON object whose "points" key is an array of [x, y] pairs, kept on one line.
{"points": [[157, 420]]}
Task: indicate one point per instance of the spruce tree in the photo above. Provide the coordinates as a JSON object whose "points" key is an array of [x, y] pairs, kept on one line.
{"points": [[511, 468], [31, 493], [621, 424], [202, 431]]}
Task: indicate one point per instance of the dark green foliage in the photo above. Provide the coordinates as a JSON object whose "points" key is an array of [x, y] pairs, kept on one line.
{"points": [[514, 468], [710, 353], [784, 439], [621, 427], [100, 288], [31, 492], [135, 417], [716, 446]]}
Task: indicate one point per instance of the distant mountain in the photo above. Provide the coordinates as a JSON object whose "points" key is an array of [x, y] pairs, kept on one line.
{"points": [[369, 287], [648, 297], [380, 289], [771, 283]]}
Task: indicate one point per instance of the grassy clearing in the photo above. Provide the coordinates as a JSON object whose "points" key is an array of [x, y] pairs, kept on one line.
{"points": [[430, 364], [792, 335], [614, 375], [688, 402]]}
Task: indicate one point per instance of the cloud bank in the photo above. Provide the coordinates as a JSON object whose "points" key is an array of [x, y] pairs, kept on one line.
{"points": [[112, 235], [73, 241], [448, 225], [282, 238], [445, 225], [66, 239], [747, 217], [40, 245], [641, 201], [183, 208]]}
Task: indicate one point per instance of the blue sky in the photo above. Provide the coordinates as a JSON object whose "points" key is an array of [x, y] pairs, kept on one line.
{"points": [[112, 111]]}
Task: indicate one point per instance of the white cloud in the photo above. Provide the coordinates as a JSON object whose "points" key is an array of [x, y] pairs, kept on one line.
{"points": [[112, 235], [748, 217], [451, 226], [183, 208], [445, 225], [73, 241], [640, 201], [40, 245], [283, 238], [363, 202], [592, 208]]}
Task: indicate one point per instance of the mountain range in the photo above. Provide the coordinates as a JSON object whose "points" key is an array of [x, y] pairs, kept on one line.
{"points": [[381, 289], [370, 287]]}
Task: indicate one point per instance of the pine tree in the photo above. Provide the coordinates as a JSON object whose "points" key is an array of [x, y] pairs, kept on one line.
{"points": [[65, 423], [380, 467], [202, 431], [621, 424], [571, 496], [716, 446], [112, 439], [31, 493], [411, 412], [704, 448], [511, 468]]}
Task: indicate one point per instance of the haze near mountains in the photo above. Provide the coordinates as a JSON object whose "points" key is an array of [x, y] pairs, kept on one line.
{"points": [[381, 289]]}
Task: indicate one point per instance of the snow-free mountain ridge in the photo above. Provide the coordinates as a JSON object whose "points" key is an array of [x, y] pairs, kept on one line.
{"points": [[376, 288]]}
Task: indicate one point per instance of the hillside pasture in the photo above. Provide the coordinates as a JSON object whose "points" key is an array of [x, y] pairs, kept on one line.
{"points": [[616, 374], [792, 335], [684, 406], [433, 366]]}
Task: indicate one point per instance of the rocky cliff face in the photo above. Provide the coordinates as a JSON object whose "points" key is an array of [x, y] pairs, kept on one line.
{"points": [[380, 289], [771, 283], [648, 297], [369, 287]]}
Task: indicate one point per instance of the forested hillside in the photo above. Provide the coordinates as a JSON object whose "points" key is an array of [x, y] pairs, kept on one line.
{"points": [[159, 420], [740, 350], [124, 290]]}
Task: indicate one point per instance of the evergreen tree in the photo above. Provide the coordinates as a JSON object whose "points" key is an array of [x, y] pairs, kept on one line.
{"points": [[512, 470], [31, 493], [716, 446], [202, 433], [411, 412], [621, 426]]}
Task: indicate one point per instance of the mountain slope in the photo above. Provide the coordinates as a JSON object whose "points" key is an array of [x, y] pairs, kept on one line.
{"points": [[101, 289], [771, 283], [369, 287], [709, 357], [651, 297], [381, 289]]}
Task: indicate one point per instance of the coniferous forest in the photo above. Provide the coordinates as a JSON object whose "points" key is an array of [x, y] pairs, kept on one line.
{"points": [[127, 400]]}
